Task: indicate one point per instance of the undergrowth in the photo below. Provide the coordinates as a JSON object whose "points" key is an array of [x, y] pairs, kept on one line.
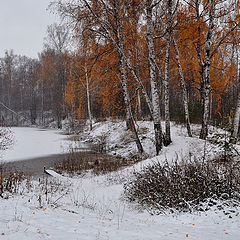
{"points": [[184, 186], [9, 182], [98, 164]]}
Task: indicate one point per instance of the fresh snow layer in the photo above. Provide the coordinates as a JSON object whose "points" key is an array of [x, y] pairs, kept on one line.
{"points": [[91, 210], [34, 142], [91, 207]]}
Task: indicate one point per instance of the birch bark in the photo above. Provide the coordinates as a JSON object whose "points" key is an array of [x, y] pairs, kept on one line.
{"points": [[184, 89], [129, 116], [207, 87], [139, 105], [88, 99], [237, 110], [236, 115], [153, 78], [167, 137]]}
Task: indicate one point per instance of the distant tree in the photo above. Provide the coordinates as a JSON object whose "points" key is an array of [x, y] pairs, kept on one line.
{"points": [[58, 40], [7, 75]]}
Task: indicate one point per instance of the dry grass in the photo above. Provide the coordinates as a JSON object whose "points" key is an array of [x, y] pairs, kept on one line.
{"points": [[184, 186], [9, 181], [97, 163]]}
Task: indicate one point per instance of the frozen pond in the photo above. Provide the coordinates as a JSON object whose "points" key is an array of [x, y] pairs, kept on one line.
{"points": [[35, 142]]}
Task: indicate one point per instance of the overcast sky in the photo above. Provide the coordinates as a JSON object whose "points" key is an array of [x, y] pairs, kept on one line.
{"points": [[23, 25]]}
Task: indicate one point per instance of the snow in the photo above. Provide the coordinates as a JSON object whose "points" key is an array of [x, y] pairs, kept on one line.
{"points": [[92, 210], [118, 143], [35, 142], [91, 207]]}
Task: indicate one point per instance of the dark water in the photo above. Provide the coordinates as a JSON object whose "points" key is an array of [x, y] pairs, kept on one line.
{"points": [[35, 166]]}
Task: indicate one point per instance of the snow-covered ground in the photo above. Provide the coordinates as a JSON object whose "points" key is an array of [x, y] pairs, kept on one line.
{"points": [[117, 140], [35, 142], [91, 208]]}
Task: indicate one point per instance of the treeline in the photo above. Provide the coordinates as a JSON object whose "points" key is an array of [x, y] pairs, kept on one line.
{"points": [[159, 60], [32, 91]]}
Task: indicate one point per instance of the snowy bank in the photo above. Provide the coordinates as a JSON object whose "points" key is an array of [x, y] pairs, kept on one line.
{"points": [[91, 207]]}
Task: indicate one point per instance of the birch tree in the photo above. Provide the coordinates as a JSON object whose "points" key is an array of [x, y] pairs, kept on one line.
{"points": [[169, 40], [208, 14], [166, 77], [88, 98], [237, 109], [153, 78], [206, 78], [101, 15], [184, 89]]}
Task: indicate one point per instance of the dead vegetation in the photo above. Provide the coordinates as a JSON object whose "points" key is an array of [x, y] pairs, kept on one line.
{"points": [[185, 186], [9, 181], [98, 164]]}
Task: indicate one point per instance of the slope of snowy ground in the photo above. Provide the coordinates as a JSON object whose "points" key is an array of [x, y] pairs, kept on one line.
{"points": [[117, 140], [91, 208], [35, 142]]}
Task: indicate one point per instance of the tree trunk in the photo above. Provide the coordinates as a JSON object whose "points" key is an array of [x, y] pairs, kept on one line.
{"points": [[237, 110], [42, 103], [153, 79], [88, 100], [129, 117], [207, 87], [122, 64], [167, 138], [236, 119], [139, 105], [184, 89]]}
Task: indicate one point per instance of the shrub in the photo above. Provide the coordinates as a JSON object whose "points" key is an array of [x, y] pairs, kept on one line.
{"points": [[80, 163], [224, 142], [183, 186], [6, 138], [9, 181]]}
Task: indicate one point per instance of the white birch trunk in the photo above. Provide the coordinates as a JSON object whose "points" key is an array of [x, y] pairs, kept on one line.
{"points": [[139, 105], [184, 89], [129, 116], [88, 100], [167, 137], [236, 119], [42, 102], [153, 79], [105, 25], [207, 87], [237, 110]]}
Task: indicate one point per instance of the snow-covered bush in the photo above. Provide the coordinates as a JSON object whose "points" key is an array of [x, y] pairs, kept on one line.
{"points": [[6, 138], [223, 140], [184, 186], [9, 182]]}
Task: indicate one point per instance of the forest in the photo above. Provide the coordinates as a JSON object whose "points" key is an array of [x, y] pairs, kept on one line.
{"points": [[125, 125], [173, 60]]}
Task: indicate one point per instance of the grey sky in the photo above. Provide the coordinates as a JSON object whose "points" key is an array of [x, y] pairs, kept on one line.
{"points": [[23, 25]]}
